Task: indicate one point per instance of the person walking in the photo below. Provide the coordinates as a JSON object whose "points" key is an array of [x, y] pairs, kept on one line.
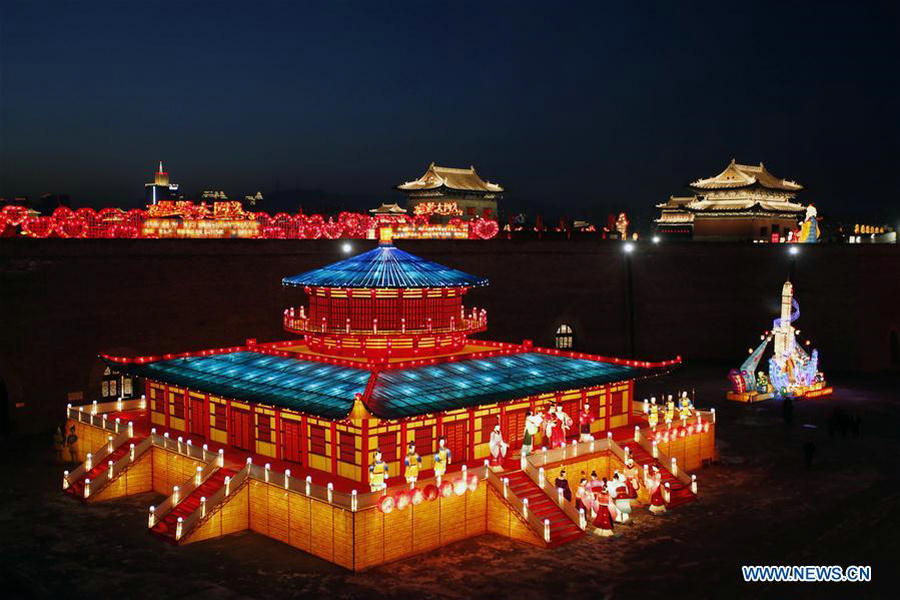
{"points": [[71, 443]]}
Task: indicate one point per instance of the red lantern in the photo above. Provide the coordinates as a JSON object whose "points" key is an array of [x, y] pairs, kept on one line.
{"points": [[460, 487], [431, 492], [332, 230], [71, 228], [402, 500], [418, 496], [386, 504], [446, 489], [473, 483], [39, 227], [485, 228], [15, 214]]}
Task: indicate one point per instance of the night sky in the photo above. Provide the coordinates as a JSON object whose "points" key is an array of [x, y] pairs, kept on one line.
{"points": [[578, 110]]}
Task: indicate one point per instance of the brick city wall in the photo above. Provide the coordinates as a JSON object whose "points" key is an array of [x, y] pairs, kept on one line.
{"points": [[64, 301]]}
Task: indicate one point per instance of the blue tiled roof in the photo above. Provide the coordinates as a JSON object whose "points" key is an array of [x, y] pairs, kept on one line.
{"points": [[306, 386], [385, 267], [453, 385]]}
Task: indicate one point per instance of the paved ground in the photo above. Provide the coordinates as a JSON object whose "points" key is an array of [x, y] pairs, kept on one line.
{"points": [[758, 506]]}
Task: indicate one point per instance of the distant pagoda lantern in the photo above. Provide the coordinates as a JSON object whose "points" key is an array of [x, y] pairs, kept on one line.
{"points": [[385, 302]]}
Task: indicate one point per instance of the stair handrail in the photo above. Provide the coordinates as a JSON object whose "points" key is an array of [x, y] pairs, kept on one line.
{"points": [[186, 488], [121, 465], [552, 492], [517, 504], [545, 456], [213, 503], [644, 441], [98, 456], [98, 409]]}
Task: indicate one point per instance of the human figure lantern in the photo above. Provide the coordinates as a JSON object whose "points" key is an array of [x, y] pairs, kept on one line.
{"points": [[413, 463], [793, 370], [378, 473]]}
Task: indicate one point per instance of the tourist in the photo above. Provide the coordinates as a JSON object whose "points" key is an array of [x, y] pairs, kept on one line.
{"points": [[442, 458], [413, 464], [378, 474], [59, 444], [497, 446], [787, 411], [71, 443], [585, 420], [809, 449], [562, 484]]}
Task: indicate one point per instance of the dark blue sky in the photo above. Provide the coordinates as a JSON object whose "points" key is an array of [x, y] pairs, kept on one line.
{"points": [[579, 109]]}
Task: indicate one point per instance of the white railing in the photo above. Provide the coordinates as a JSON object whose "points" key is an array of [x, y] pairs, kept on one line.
{"points": [[118, 467], [649, 445], [97, 408], [213, 503], [213, 462], [553, 493], [96, 458], [518, 505]]}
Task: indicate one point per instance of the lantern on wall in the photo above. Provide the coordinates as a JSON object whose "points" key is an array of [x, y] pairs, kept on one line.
{"points": [[386, 504]]}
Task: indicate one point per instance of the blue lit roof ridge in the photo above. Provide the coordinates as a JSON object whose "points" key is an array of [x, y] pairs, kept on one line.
{"points": [[385, 266]]}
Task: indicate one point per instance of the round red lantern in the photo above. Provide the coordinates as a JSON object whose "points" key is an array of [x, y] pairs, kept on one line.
{"points": [[386, 504], [473, 483], [446, 489], [431, 492], [418, 496], [402, 500]]}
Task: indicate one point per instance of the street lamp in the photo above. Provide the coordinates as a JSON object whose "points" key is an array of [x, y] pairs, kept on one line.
{"points": [[347, 248], [656, 239], [628, 249]]}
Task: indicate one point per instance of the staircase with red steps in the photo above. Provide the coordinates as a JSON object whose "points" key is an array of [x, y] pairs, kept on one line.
{"points": [[165, 527], [76, 488], [679, 493], [562, 529]]}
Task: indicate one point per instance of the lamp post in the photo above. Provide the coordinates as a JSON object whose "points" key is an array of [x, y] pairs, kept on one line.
{"points": [[628, 250]]}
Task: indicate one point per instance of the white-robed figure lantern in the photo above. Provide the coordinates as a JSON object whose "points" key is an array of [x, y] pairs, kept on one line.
{"points": [[497, 446], [618, 492]]}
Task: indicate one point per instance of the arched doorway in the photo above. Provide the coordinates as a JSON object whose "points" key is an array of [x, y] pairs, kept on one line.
{"points": [[565, 337]]}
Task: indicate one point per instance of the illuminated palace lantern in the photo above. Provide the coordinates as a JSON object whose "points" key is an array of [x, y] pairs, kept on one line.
{"points": [[450, 192], [793, 370], [743, 202], [367, 437]]}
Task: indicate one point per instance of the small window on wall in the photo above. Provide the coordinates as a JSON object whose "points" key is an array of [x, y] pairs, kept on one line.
{"points": [[177, 405], [264, 428], [317, 440], [565, 337], [424, 439], [347, 447], [387, 443], [156, 396], [219, 420]]}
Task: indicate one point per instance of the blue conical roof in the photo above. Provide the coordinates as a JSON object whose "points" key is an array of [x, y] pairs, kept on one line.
{"points": [[385, 267]]}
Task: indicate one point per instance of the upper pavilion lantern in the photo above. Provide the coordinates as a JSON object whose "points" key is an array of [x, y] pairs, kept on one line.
{"points": [[385, 302]]}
